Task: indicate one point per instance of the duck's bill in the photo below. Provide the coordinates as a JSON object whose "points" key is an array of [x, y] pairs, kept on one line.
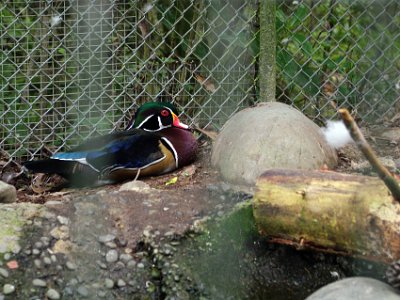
{"points": [[177, 123]]}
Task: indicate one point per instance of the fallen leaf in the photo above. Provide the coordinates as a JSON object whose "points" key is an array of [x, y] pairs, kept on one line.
{"points": [[40, 183], [144, 28], [205, 82], [210, 134], [172, 181]]}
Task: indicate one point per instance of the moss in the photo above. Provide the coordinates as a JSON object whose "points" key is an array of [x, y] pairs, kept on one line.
{"points": [[13, 218], [218, 256]]}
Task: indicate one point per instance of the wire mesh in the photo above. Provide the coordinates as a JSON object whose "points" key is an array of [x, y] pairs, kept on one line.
{"points": [[340, 51], [75, 68]]}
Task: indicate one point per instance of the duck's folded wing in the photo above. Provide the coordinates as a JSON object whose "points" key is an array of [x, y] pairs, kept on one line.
{"points": [[128, 152], [103, 140]]}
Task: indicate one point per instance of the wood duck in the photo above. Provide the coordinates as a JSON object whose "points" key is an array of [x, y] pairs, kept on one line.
{"points": [[154, 144]]}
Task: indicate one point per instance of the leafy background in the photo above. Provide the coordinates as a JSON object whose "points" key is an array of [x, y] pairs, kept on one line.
{"points": [[69, 71]]}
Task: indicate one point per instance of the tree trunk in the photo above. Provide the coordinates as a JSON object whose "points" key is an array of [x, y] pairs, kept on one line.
{"points": [[329, 211]]}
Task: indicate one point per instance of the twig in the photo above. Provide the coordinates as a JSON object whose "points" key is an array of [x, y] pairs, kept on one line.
{"points": [[210, 134], [366, 149]]}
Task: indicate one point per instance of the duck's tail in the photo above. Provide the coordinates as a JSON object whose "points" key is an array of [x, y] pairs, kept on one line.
{"points": [[69, 169]]}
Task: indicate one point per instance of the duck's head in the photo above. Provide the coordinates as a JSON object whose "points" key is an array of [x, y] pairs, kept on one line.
{"points": [[155, 116]]}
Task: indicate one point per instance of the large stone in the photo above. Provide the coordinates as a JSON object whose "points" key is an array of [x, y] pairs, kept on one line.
{"points": [[271, 135], [355, 288], [8, 193]]}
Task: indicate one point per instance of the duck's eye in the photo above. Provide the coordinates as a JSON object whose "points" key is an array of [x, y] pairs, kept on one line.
{"points": [[165, 113]]}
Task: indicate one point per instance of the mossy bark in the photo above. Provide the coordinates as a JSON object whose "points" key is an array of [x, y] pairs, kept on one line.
{"points": [[329, 211]]}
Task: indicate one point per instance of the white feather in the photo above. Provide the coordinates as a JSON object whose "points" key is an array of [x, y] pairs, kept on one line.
{"points": [[55, 20], [336, 134]]}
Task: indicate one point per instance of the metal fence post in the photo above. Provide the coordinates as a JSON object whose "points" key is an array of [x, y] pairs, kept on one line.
{"points": [[267, 50]]}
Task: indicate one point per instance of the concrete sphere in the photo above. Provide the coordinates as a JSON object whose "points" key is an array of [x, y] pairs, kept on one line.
{"points": [[355, 288], [271, 135]]}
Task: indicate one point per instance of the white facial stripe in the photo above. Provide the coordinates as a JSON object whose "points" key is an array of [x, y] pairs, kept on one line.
{"points": [[160, 124], [144, 121], [158, 129], [173, 150]]}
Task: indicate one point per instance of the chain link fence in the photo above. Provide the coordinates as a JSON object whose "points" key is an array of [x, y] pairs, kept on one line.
{"points": [[73, 69]]}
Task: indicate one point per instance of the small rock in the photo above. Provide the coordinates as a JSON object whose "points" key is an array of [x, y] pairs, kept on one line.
{"points": [[135, 185], [101, 265], [63, 220], [35, 251], [53, 258], [63, 247], [83, 291], [8, 193], [38, 245], [37, 222], [96, 285], [119, 266], [131, 264], [39, 282], [169, 233], [125, 257], [16, 249], [73, 281], [108, 283], [52, 203], [8, 289], [128, 250], [45, 241], [121, 283], [70, 265], [68, 291], [101, 294], [4, 273], [112, 256], [7, 256], [121, 242], [37, 263], [60, 232], [53, 294], [106, 238], [132, 283], [111, 245], [47, 260], [140, 265]]}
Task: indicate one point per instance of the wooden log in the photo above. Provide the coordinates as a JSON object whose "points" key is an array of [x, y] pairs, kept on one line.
{"points": [[329, 211]]}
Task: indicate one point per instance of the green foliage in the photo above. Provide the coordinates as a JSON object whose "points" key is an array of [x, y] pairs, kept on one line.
{"points": [[323, 53]]}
